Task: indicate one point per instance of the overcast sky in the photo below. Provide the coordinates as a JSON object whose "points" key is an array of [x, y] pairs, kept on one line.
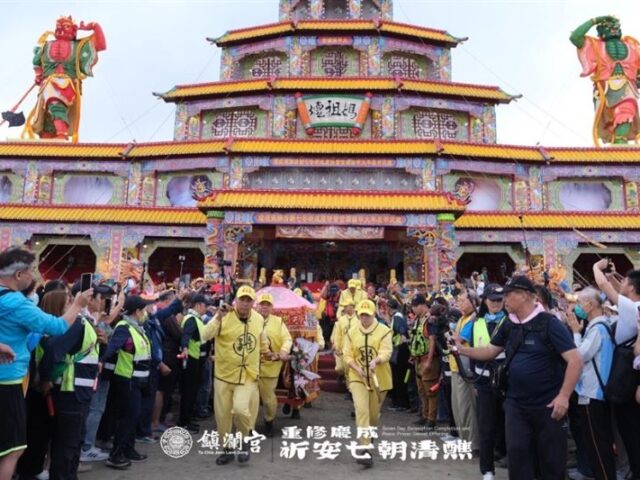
{"points": [[521, 46]]}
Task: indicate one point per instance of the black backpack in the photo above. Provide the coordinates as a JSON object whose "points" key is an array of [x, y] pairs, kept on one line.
{"points": [[516, 335], [621, 386]]}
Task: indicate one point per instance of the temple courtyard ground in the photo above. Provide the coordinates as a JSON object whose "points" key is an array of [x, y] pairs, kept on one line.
{"points": [[330, 410]]}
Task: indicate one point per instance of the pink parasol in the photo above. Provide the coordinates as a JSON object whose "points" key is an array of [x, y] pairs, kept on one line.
{"points": [[293, 309]]}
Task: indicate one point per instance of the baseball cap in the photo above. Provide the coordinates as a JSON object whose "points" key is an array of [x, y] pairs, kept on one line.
{"points": [[135, 302], [493, 291], [266, 298], [418, 300], [367, 307], [246, 291], [346, 302], [297, 291], [520, 282], [353, 283], [199, 298]]}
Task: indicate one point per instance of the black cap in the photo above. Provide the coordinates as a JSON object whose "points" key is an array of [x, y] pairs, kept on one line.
{"points": [[418, 300], [493, 291], [134, 303], [199, 298], [520, 282]]}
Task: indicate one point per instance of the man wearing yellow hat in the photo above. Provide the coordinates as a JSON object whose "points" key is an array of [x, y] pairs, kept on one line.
{"points": [[366, 352], [279, 345], [353, 292], [344, 323], [240, 340]]}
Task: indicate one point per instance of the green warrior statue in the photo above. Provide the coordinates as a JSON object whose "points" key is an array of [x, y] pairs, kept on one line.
{"points": [[613, 61]]}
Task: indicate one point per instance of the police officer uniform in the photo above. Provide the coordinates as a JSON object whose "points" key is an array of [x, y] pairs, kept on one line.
{"points": [[127, 358]]}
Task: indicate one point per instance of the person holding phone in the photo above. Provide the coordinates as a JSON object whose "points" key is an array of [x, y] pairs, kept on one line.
{"points": [[18, 318]]}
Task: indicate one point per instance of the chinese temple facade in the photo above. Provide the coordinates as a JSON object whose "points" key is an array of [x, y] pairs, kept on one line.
{"points": [[334, 141]]}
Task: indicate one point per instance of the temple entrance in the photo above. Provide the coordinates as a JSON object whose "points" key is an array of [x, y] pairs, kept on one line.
{"points": [[583, 266], [66, 262], [318, 261], [499, 265], [168, 263]]}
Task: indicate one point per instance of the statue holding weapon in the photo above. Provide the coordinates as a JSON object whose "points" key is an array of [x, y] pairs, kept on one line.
{"points": [[613, 61], [60, 65]]}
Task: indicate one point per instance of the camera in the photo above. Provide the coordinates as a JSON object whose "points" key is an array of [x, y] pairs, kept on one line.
{"points": [[220, 261]]}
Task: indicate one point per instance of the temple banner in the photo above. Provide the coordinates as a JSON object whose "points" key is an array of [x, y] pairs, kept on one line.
{"points": [[329, 232], [317, 111]]}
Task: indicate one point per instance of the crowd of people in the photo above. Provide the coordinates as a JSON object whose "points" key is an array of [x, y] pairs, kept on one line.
{"points": [[515, 370]]}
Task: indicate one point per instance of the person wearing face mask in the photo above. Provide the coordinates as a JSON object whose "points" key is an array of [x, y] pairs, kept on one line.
{"points": [[489, 413], [279, 345], [128, 356], [195, 351], [592, 409], [240, 340], [366, 351]]}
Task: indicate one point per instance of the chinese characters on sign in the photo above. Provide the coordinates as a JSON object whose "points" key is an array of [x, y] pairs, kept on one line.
{"points": [[322, 111], [325, 443]]}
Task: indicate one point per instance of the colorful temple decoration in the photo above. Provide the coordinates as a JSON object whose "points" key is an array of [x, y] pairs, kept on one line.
{"points": [[335, 143]]}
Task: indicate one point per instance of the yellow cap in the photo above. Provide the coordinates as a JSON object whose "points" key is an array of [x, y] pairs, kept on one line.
{"points": [[266, 298], [366, 307], [246, 291], [346, 302], [353, 283], [298, 292]]}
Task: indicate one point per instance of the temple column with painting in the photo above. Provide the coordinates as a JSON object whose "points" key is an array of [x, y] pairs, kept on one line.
{"points": [[214, 243], [446, 246], [421, 259]]}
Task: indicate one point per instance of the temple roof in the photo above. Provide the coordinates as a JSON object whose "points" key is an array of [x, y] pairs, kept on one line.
{"points": [[273, 146], [337, 27], [376, 84], [549, 220], [101, 214], [331, 201], [318, 201]]}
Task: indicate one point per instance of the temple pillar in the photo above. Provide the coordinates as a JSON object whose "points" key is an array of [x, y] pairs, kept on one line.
{"points": [[214, 243], [421, 260], [446, 246], [233, 236]]}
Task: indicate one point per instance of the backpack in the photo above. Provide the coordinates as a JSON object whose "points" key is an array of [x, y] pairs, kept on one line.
{"points": [[620, 387], [539, 325]]}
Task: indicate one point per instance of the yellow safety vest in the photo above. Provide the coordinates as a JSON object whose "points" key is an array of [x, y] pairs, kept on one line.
{"points": [[461, 323], [195, 348], [365, 346], [136, 364], [237, 347], [279, 336], [81, 369]]}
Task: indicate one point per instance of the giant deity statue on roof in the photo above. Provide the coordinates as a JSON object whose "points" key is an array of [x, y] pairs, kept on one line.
{"points": [[613, 61], [60, 65]]}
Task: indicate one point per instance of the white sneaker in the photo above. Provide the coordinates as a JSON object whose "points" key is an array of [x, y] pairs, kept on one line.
{"points": [[93, 455], [43, 475], [448, 438], [488, 476]]}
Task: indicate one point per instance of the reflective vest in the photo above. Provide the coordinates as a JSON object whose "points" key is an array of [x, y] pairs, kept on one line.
{"points": [[196, 348], [482, 338], [136, 364], [81, 368], [419, 344], [397, 338], [279, 337], [365, 346], [237, 347]]}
